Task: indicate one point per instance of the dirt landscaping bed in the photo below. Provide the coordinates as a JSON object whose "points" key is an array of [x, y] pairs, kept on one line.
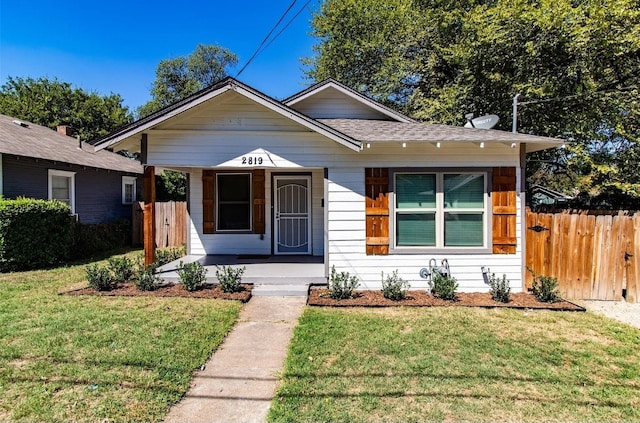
{"points": [[170, 290], [319, 296]]}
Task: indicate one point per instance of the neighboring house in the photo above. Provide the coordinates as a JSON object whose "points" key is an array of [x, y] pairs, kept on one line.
{"points": [[37, 162], [543, 196], [331, 173]]}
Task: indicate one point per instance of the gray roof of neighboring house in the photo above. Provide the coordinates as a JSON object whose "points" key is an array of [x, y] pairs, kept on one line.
{"points": [[44, 143], [380, 130]]}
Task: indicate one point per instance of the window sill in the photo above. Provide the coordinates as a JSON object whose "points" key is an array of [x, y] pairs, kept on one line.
{"points": [[440, 251]]}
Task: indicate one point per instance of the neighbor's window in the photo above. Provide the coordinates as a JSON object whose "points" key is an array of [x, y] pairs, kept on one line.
{"points": [[233, 201], [128, 189], [440, 209], [62, 187]]}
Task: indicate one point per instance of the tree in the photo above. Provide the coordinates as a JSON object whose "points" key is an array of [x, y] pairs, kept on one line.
{"points": [[50, 102], [437, 60], [185, 75]]}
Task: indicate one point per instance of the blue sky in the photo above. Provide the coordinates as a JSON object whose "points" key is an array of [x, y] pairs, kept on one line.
{"points": [[115, 46]]}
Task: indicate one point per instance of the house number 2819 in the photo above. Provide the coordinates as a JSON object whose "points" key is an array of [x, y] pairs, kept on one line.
{"points": [[251, 160]]}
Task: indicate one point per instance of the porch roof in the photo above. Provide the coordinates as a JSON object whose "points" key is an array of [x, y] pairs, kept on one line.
{"points": [[390, 131]]}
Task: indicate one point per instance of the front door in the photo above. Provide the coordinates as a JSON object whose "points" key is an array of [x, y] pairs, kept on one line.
{"points": [[292, 214]]}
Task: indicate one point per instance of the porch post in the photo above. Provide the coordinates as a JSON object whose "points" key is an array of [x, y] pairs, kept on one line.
{"points": [[149, 215]]}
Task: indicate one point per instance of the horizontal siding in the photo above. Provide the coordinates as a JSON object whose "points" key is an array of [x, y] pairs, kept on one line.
{"points": [[333, 104], [347, 251]]}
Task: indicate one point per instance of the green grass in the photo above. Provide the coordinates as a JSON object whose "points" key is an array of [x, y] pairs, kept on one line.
{"points": [[70, 358], [459, 364]]}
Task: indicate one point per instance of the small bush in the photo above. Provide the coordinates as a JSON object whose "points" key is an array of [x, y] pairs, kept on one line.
{"points": [[167, 255], [192, 275], [500, 289], [342, 285], [229, 278], [122, 268], [394, 287], [99, 278], [147, 279], [443, 286], [545, 289]]}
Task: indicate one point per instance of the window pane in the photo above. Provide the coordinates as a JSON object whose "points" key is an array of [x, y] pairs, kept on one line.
{"points": [[60, 188], [128, 193], [234, 202], [463, 229], [416, 229], [233, 217], [415, 191], [233, 187], [464, 191]]}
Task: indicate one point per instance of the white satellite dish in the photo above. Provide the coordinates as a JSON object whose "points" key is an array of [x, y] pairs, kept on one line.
{"points": [[482, 122]]}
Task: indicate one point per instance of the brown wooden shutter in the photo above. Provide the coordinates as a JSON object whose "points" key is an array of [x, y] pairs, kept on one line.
{"points": [[258, 179], [503, 199], [377, 210], [208, 201]]}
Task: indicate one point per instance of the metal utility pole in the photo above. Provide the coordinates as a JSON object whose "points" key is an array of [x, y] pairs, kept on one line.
{"points": [[514, 128]]}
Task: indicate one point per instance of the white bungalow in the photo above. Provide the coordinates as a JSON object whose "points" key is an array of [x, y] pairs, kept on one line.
{"points": [[332, 177]]}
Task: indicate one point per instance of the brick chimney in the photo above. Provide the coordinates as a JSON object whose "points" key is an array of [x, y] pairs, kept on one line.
{"points": [[65, 130]]}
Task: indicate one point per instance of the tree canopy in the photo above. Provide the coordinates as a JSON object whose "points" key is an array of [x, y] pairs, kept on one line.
{"points": [[50, 102], [185, 75], [574, 63]]}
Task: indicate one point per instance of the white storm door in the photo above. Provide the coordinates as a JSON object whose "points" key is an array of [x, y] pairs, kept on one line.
{"points": [[292, 214]]}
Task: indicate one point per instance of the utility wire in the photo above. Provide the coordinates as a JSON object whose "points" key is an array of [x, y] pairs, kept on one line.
{"points": [[286, 26], [267, 37], [571, 97]]}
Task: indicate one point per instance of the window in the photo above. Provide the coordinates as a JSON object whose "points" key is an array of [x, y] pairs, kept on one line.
{"points": [[233, 201], [128, 189], [62, 187], [440, 209]]}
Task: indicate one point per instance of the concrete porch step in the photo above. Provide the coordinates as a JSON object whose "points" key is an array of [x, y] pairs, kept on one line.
{"points": [[270, 290]]}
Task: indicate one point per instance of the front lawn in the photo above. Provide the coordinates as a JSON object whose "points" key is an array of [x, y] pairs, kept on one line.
{"points": [[459, 364], [87, 358]]}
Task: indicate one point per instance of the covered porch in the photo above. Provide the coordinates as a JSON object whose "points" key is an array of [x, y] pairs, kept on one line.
{"points": [[271, 275]]}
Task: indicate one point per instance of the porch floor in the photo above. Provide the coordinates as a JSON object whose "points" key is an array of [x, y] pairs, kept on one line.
{"points": [[270, 275]]}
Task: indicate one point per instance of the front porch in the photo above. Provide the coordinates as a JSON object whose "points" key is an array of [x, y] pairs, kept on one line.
{"points": [[271, 275]]}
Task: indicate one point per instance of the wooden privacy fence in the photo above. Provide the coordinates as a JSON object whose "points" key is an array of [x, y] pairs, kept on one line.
{"points": [[171, 224], [592, 256]]}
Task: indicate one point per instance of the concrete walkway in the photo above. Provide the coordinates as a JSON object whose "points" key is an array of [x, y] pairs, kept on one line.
{"points": [[239, 380]]}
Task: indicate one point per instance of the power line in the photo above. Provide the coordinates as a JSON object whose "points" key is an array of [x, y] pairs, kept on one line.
{"points": [[267, 37], [286, 25]]}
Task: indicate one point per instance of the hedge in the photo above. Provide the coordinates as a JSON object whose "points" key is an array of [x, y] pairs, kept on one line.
{"points": [[34, 233]]}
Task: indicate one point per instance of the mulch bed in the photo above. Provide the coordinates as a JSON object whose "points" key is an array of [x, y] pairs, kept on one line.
{"points": [[170, 290], [320, 297]]}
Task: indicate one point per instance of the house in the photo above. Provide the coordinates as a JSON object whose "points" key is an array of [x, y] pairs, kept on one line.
{"points": [[37, 162], [543, 196], [332, 174]]}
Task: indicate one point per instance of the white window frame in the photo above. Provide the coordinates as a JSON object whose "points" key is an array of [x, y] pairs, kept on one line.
{"points": [[72, 186], [217, 205], [129, 180], [440, 213]]}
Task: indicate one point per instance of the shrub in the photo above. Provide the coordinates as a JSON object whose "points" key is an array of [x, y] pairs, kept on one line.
{"points": [[443, 286], [99, 278], [229, 278], [147, 279], [90, 240], [34, 233], [192, 275], [394, 287], [545, 289], [167, 255], [122, 268], [500, 289], [342, 285]]}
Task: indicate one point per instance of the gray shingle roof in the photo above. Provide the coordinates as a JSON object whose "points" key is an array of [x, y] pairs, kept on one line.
{"points": [[43, 143], [381, 131]]}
